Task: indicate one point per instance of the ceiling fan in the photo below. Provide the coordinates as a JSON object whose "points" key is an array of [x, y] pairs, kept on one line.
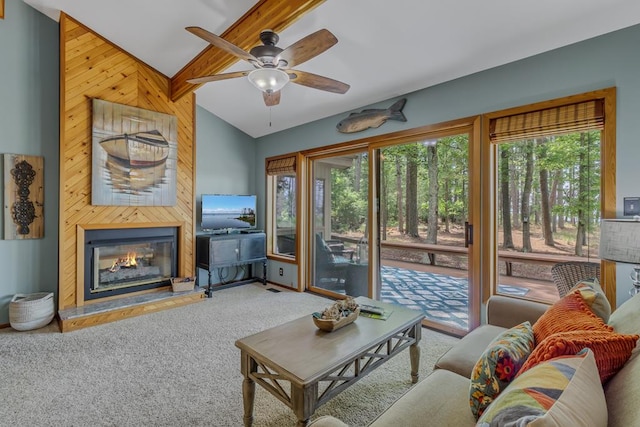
{"points": [[273, 64]]}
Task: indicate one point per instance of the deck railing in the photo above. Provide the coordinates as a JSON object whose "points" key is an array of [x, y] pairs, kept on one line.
{"points": [[508, 257]]}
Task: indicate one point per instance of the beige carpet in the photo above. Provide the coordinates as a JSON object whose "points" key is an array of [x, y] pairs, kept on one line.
{"points": [[178, 367]]}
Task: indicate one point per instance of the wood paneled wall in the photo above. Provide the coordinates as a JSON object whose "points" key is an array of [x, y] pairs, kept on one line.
{"points": [[92, 67]]}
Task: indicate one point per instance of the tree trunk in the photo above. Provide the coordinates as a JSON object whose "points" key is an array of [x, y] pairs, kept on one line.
{"points": [[544, 196], [412, 197], [357, 173], [526, 196], [582, 196], [399, 201], [507, 240], [432, 218], [447, 215], [560, 199], [384, 208], [553, 201], [515, 197]]}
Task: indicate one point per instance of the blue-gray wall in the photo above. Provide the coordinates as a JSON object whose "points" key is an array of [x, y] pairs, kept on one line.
{"points": [[29, 123], [224, 165], [224, 159], [609, 60]]}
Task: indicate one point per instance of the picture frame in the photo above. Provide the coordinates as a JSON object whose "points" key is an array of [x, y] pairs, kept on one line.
{"points": [[134, 156]]}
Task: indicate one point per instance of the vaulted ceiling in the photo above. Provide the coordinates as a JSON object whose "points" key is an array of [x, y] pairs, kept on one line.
{"points": [[385, 49]]}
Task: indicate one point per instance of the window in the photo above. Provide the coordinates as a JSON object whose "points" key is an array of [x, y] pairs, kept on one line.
{"points": [[282, 189], [553, 164]]}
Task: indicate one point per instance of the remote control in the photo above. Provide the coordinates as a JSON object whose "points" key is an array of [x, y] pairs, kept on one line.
{"points": [[371, 309]]}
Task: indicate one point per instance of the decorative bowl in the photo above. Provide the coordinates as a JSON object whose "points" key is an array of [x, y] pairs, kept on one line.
{"points": [[329, 325]]}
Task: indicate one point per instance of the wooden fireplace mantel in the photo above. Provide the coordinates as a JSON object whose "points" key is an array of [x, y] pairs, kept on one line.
{"points": [[115, 76]]}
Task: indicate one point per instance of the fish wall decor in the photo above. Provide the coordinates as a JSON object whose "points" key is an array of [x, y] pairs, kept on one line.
{"points": [[372, 118]]}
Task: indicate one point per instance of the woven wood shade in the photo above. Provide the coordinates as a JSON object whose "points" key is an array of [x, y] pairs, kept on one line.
{"points": [[281, 166], [583, 116]]}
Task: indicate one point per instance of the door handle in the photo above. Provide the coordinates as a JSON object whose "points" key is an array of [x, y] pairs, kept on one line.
{"points": [[468, 234]]}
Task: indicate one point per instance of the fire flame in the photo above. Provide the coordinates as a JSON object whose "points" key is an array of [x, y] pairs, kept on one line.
{"points": [[127, 262]]}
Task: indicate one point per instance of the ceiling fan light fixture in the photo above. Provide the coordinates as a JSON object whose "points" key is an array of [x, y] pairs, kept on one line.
{"points": [[268, 80]]}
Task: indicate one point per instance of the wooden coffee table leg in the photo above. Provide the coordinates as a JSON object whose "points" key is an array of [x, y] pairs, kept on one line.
{"points": [[248, 366], [414, 352], [303, 400]]}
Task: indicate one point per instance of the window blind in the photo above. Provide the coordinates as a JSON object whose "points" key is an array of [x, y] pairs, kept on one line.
{"points": [[583, 116], [281, 166]]}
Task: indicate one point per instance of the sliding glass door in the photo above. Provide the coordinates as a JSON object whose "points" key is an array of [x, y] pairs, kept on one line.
{"points": [[391, 218], [340, 204], [425, 229]]}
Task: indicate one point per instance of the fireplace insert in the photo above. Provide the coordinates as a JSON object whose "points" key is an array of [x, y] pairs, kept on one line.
{"points": [[124, 260]]}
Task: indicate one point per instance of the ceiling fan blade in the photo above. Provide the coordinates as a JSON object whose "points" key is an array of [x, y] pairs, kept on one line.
{"points": [[221, 43], [271, 99], [217, 77], [308, 47], [317, 82]]}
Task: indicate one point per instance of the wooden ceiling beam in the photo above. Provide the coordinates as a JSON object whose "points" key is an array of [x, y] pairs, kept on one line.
{"points": [[275, 15]]}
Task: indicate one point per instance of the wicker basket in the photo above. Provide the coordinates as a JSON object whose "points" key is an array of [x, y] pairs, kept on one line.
{"points": [[31, 311], [182, 284], [332, 325]]}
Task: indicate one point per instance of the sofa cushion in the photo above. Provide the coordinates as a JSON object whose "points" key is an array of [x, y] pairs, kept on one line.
{"points": [[462, 357], [327, 421], [570, 313], [440, 399], [611, 350], [593, 295], [552, 394], [622, 393], [626, 318], [498, 365]]}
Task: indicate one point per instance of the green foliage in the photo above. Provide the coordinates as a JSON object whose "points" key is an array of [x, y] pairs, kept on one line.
{"points": [[453, 180], [285, 201], [349, 205]]}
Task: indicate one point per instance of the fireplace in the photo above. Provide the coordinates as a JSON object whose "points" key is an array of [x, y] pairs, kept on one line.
{"points": [[120, 261]]}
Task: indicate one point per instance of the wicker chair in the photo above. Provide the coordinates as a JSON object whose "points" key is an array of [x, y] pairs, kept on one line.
{"points": [[567, 274]]}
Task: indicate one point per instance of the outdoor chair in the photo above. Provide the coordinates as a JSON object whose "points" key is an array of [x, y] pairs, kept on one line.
{"points": [[286, 245], [567, 274], [331, 261]]}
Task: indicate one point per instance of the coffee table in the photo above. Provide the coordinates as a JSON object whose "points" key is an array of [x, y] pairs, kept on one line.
{"points": [[304, 367]]}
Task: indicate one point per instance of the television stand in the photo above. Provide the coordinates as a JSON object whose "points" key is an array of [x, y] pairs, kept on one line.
{"points": [[250, 231], [231, 250]]}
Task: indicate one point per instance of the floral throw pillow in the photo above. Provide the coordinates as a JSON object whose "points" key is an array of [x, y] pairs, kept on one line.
{"points": [[498, 365]]}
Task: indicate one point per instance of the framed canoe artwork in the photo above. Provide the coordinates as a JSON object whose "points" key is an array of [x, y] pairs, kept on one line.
{"points": [[23, 197], [135, 156]]}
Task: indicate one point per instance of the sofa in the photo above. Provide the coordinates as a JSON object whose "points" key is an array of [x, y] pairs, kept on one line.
{"points": [[443, 399]]}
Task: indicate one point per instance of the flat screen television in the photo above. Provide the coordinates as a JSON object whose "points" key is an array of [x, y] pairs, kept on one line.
{"points": [[228, 211]]}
